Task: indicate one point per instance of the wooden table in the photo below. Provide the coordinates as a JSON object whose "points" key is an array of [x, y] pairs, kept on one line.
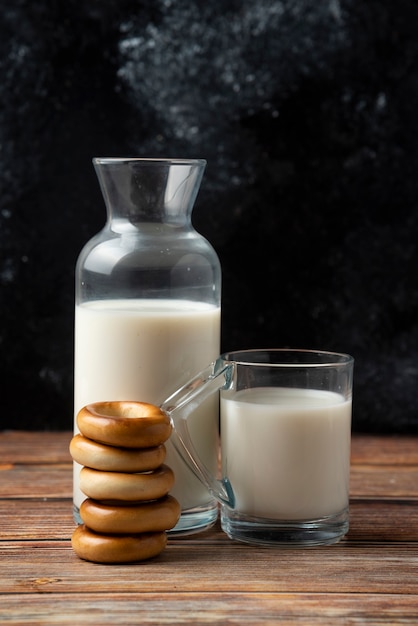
{"points": [[371, 577]]}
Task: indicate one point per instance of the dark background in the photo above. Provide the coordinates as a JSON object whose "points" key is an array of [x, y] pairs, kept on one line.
{"points": [[306, 111]]}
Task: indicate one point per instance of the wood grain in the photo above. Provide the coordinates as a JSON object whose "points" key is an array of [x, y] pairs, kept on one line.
{"points": [[370, 577], [34, 447], [210, 568], [384, 450], [178, 607]]}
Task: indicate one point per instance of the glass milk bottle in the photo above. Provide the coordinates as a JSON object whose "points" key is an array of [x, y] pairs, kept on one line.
{"points": [[147, 314]]}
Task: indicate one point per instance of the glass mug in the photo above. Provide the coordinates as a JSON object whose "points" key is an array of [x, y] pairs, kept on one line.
{"points": [[285, 430]]}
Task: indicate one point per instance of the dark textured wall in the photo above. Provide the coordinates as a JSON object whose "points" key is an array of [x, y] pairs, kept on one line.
{"points": [[306, 112]]}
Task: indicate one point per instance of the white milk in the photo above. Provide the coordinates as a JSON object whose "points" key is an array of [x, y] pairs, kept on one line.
{"points": [[144, 350], [286, 452]]}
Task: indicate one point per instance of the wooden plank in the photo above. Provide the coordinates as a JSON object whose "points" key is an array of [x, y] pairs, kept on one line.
{"points": [[218, 608], [384, 449], [34, 447], [23, 519], [52, 567], [36, 481], [379, 521], [389, 481], [367, 478], [55, 481], [370, 520]]}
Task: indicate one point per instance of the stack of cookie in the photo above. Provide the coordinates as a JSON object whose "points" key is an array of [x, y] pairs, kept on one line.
{"points": [[128, 507]]}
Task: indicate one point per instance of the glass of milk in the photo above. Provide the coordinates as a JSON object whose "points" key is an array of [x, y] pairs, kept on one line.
{"points": [[285, 424]]}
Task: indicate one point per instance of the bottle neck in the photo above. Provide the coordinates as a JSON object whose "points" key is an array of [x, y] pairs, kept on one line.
{"points": [[149, 193]]}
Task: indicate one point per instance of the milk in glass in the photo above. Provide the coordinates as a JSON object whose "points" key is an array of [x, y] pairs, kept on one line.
{"points": [[143, 350], [286, 452]]}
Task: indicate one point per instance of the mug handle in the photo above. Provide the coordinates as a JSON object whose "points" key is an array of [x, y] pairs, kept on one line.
{"points": [[218, 375]]}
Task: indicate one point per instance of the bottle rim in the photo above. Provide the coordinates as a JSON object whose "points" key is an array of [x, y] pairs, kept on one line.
{"points": [[147, 161]]}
